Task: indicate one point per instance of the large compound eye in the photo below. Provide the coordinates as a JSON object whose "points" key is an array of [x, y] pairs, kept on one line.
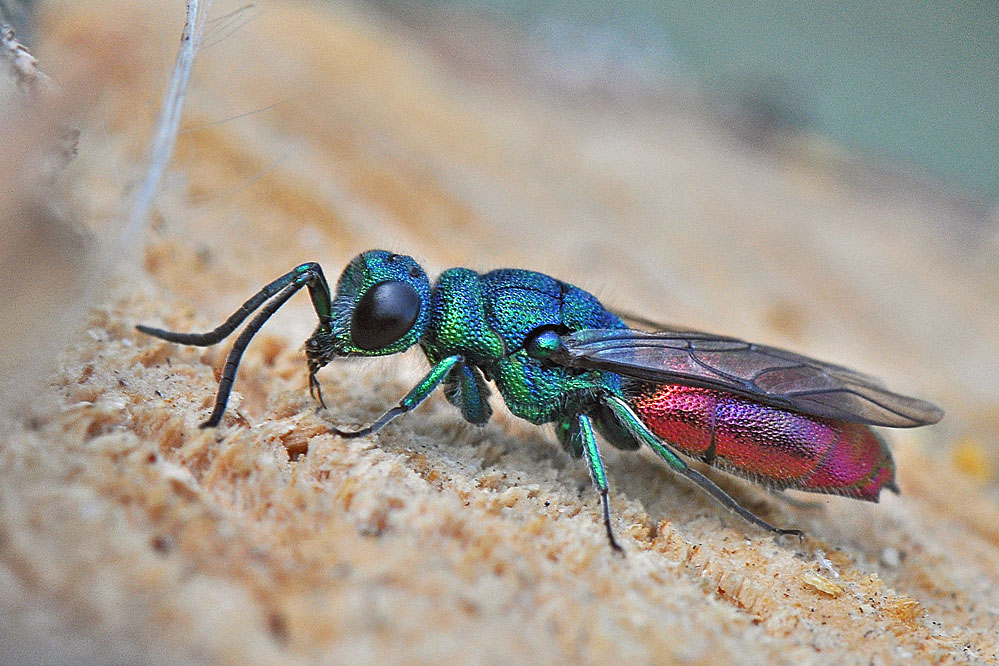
{"points": [[384, 314]]}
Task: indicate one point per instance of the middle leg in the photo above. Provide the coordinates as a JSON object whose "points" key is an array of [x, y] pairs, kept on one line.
{"points": [[579, 440]]}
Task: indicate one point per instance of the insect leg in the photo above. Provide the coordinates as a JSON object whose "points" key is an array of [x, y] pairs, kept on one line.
{"points": [[584, 432], [567, 431], [630, 420], [607, 425], [309, 273], [419, 393], [466, 389], [315, 390], [236, 353], [271, 297]]}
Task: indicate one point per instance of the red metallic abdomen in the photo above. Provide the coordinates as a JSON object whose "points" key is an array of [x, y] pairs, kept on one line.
{"points": [[773, 446]]}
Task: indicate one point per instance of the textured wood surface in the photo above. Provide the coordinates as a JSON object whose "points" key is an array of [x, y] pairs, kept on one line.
{"points": [[313, 133]]}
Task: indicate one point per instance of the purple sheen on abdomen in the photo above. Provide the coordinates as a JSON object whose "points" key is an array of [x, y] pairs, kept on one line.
{"points": [[770, 445]]}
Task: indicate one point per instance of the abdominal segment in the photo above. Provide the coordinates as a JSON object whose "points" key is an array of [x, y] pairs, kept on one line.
{"points": [[773, 446]]}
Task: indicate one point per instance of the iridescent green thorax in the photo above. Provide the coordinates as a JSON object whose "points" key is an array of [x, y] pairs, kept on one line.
{"points": [[459, 322], [491, 319]]}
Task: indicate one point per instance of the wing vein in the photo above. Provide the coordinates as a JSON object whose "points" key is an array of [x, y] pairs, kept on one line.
{"points": [[810, 386]]}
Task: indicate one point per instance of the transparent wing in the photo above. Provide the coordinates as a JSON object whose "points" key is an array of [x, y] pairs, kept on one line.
{"points": [[765, 374]]}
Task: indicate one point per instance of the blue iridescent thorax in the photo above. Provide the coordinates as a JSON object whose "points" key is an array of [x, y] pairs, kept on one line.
{"points": [[492, 319]]}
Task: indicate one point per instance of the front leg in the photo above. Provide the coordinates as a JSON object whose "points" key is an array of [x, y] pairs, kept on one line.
{"points": [[268, 300], [315, 390], [419, 393]]}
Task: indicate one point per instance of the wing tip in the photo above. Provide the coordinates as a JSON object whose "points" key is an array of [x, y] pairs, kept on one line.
{"points": [[931, 414]]}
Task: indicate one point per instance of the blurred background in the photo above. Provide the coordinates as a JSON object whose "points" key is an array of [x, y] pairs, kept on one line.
{"points": [[913, 85]]}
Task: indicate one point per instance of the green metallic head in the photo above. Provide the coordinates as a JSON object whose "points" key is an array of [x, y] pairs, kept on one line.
{"points": [[381, 306]]}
